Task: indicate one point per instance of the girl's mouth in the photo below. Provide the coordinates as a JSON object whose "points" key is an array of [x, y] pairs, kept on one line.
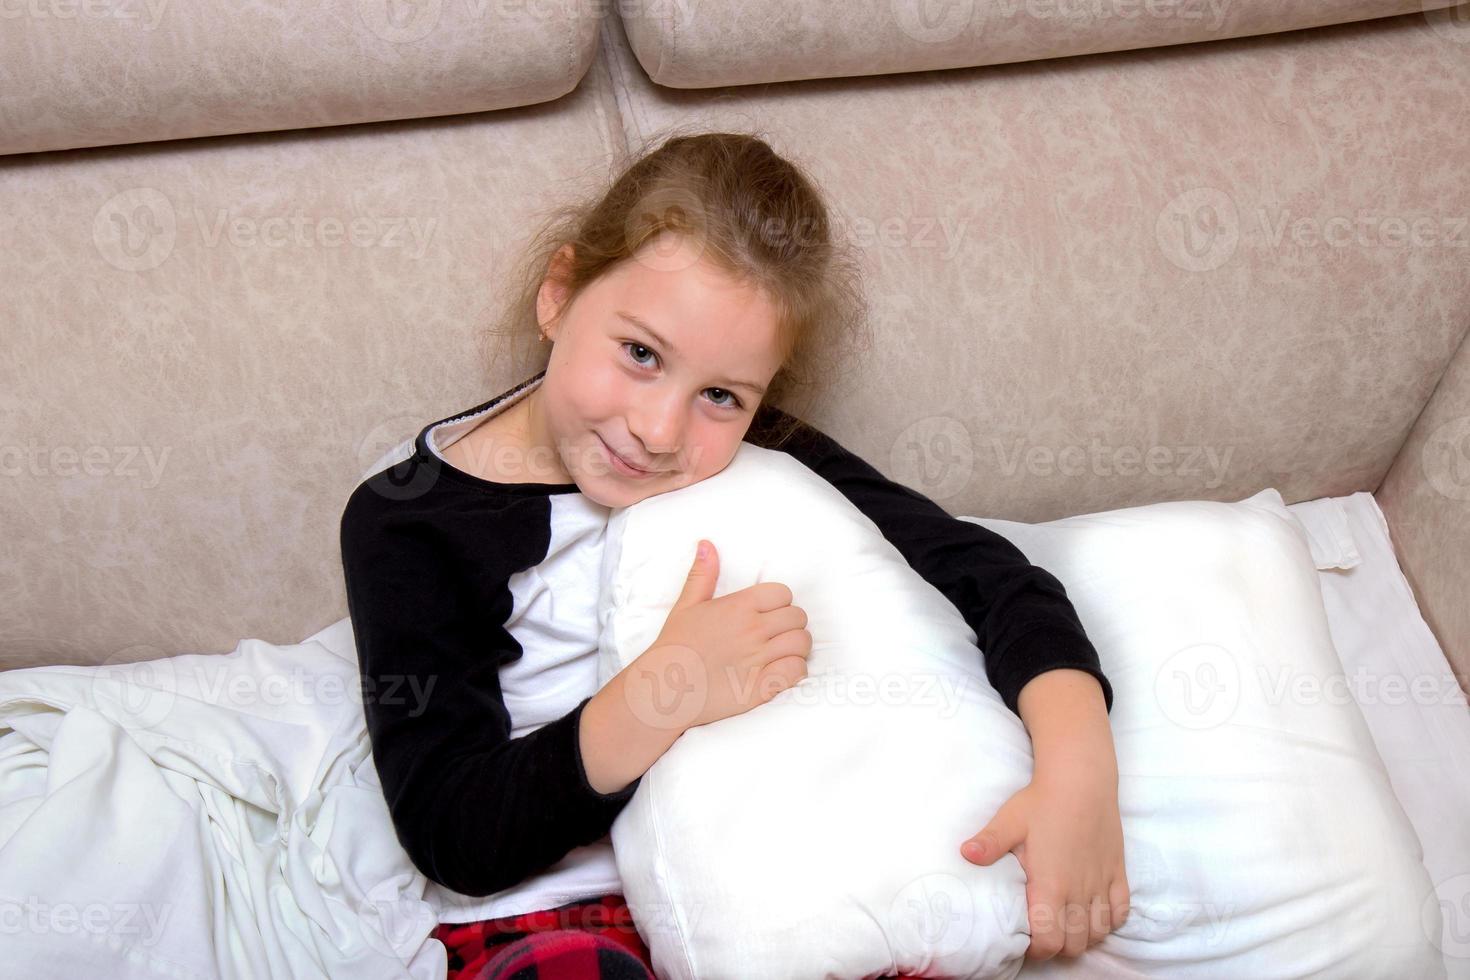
{"points": [[621, 465]]}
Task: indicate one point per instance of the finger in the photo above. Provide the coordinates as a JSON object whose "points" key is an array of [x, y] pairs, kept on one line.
{"points": [[780, 674], [1099, 920], [1074, 926], [792, 643], [779, 621], [704, 572], [1047, 937], [1004, 833], [1118, 898], [769, 595]]}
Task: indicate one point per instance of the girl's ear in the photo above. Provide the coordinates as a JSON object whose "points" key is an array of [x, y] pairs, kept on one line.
{"points": [[551, 297]]}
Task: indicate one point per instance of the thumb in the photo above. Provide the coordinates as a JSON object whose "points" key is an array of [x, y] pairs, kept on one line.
{"points": [[702, 576], [999, 837]]}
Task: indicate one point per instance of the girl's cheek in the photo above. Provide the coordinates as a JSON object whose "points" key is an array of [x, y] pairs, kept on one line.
{"points": [[603, 387]]}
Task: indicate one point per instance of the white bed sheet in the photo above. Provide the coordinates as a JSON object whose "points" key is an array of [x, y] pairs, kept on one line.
{"points": [[1396, 671]]}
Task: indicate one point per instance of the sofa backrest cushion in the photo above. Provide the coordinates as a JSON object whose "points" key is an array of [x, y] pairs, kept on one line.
{"points": [[683, 44], [133, 71]]}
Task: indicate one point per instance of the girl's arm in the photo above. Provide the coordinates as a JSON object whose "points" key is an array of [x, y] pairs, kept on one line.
{"points": [[1022, 618], [1064, 826], [427, 592]]}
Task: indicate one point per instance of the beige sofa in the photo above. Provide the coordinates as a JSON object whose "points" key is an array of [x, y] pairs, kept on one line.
{"points": [[1118, 252]]}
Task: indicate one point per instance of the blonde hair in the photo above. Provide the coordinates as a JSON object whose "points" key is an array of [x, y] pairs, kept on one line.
{"points": [[753, 214]]}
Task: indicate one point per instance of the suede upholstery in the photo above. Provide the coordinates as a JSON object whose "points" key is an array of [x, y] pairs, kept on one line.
{"points": [[1180, 270]]}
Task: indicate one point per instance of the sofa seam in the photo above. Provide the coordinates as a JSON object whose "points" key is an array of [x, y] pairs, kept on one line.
{"points": [[663, 49], [617, 73]]}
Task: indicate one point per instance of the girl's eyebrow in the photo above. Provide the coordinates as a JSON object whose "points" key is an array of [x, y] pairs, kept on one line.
{"points": [[724, 382]]}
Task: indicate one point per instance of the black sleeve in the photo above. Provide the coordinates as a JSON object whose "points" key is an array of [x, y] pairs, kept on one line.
{"points": [[476, 810], [1020, 613]]}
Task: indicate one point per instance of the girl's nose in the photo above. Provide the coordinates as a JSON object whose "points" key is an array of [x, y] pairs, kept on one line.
{"points": [[658, 428], [657, 441]]}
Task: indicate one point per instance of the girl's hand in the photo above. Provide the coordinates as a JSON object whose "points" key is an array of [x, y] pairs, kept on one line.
{"points": [[1066, 831], [715, 658]]}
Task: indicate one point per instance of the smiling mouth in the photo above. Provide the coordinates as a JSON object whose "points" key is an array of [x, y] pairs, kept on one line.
{"points": [[613, 452]]}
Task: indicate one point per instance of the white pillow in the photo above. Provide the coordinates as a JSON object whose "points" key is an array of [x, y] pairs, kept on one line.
{"points": [[818, 835], [1262, 837]]}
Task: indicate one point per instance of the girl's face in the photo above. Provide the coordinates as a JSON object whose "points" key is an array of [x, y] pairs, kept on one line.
{"points": [[662, 362]]}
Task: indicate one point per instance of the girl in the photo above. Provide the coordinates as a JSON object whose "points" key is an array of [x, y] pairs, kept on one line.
{"points": [[701, 288]]}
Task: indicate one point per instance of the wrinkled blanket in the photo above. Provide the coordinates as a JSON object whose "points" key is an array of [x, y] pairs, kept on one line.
{"points": [[202, 816]]}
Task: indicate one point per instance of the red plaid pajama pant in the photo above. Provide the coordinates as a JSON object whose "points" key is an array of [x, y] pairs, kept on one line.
{"points": [[580, 941]]}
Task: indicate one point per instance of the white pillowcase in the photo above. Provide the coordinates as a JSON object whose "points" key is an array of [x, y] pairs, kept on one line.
{"points": [[818, 835], [1261, 834]]}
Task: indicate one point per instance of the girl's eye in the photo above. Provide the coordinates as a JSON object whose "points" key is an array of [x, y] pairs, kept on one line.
{"points": [[630, 345], [732, 403]]}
